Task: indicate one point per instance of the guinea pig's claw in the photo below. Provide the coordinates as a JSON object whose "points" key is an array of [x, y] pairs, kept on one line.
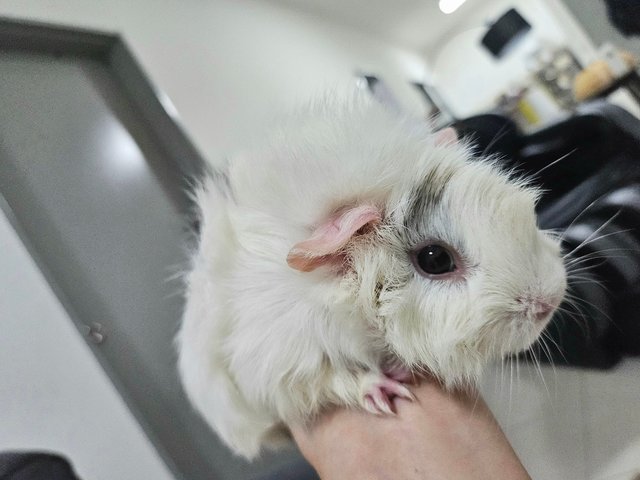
{"points": [[378, 398], [404, 392], [378, 404]]}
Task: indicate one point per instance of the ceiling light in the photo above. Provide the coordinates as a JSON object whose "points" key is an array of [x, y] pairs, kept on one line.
{"points": [[450, 6]]}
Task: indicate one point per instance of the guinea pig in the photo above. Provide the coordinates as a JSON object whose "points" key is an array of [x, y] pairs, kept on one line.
{"points": [[355, 249]]}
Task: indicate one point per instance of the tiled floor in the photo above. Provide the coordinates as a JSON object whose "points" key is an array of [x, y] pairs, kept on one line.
{"points": [[581, 425]]}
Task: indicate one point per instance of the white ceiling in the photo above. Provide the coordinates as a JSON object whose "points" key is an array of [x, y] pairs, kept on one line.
{"points": [[415, 24]]}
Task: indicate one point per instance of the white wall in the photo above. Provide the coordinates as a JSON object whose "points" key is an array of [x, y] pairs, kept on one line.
{"points": [[469, 78], [229, 65], [53, 393]]}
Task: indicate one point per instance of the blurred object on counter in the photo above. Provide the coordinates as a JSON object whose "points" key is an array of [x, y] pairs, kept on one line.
{"points": [[530, 107], [556, 68], [614, 69]]}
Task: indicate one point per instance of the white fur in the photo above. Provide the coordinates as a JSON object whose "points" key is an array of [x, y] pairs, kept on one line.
{"points": [[263, 345]]}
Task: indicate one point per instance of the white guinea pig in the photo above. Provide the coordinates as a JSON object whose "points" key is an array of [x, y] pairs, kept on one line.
{"points": [[355, 249]]}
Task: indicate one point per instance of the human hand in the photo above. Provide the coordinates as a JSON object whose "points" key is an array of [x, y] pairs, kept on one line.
{"points": [[440, 435]]}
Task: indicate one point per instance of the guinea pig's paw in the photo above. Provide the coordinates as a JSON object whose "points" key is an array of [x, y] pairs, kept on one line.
{"points": [[378, 392]]}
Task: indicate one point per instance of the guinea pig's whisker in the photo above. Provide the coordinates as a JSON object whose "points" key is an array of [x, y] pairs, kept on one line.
{"points": [[539, 369], [510, 382], [555, 162], [497, 137], [585, 275], [584, 272], [580, 268], [588, 240], [592, 305], [585, 278], [502, 359], [475, 404], [555, 234], [586, 266], [545, 336], [602, 252], [573, 299], [177, 278], [585, 243], [575, 316], [587, 262], [547, 351], [591, 282], [586, 281], [585, 210], [509, 378]]}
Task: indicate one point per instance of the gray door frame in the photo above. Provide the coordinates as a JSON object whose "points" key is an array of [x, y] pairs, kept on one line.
{"points": [[180, 162]]}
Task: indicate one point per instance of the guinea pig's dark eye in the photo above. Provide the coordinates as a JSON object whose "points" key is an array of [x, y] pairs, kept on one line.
{"points": [[435, 260]]}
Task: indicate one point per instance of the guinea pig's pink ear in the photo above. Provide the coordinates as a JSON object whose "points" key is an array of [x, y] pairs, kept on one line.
{"points": [[324, 245], [446, 136]]}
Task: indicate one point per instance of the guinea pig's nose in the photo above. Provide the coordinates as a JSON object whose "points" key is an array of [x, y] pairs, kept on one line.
{"points": [[540, 309]]}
